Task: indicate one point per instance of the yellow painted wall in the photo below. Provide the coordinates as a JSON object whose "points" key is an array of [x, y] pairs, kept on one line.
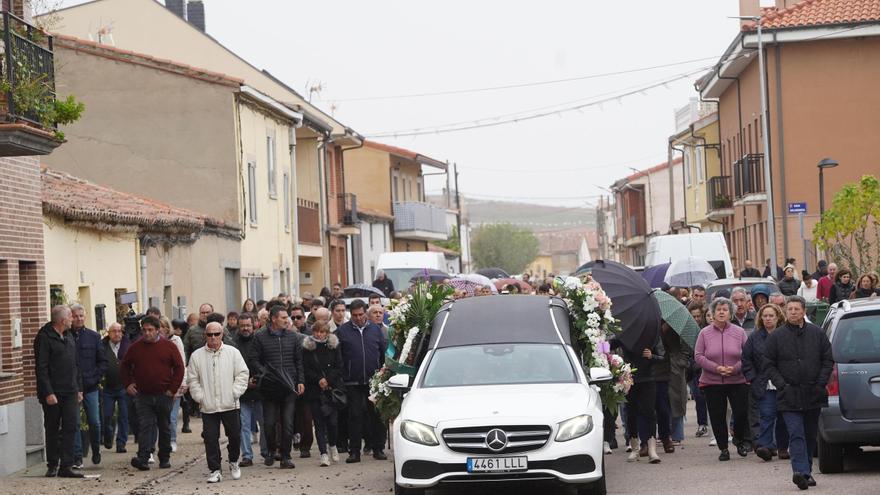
{"points": [[314, 265], [90, 265], [367, 175], [408, 175], [308, 181], [542, 266], [696, 194], [268, 244]]}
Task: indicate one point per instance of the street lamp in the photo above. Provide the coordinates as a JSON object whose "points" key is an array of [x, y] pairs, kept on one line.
{"points": [[823, 164]]}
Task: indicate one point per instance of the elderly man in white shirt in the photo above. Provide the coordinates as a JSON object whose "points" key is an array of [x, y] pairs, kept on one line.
{"points": [[217, 376]]}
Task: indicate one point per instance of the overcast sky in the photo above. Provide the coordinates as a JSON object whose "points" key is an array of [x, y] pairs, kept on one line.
{"points": [[369, 49]]}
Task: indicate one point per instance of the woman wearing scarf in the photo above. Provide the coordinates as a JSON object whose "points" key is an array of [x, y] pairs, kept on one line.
{"points": [[322, 363]]}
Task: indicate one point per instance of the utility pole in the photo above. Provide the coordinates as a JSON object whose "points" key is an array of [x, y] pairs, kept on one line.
{"points": [[458, 217]]}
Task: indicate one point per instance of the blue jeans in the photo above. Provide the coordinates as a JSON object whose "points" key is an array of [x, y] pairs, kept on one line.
{"points": [[803, 428], [90, 403], [112, 400], [773, 433], [251, 414], [175, 408], [678, 429], [699, 402]]}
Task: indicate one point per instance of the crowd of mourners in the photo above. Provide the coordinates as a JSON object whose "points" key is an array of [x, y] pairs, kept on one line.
{"points": [[281, 375], [757, 374]]}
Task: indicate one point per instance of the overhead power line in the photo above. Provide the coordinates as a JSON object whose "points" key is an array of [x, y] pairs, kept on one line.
{"points": [[519, 85]]}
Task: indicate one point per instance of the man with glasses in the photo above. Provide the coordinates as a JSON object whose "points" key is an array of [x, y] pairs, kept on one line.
{"points": [[298, 315], [195, 336], [250, 403], [303, 438], [280, 352], [152, 371], [217, 376]]}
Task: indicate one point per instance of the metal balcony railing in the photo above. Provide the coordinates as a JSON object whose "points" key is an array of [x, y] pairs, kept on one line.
{"points": [[719, 193], [748, 175], [422, 217], [28, 71], [347, 208]]}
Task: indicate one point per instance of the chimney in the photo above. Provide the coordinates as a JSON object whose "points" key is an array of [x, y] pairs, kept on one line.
{"points": [[749, 8], [195, 14], [176, 6], [784, 4]]}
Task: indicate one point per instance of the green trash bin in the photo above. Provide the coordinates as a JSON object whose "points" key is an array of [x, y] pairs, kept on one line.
{"points": [[817, 311]]}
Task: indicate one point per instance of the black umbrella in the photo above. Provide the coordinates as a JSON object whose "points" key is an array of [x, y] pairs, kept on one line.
{"points": [[493, 273], [275, 383], [361, 290], [431, 275], [631, 302]]}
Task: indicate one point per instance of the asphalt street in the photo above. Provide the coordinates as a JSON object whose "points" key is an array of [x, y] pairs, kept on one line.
{"points": [[692, 469]]}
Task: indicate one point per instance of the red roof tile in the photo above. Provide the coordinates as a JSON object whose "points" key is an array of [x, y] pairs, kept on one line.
{"points": [[78, 200], [655, 168], [405, 153], [820, 12], [564, 241]]}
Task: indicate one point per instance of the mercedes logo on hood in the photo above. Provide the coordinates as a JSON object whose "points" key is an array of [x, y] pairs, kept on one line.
{"points": [[496, 440]]}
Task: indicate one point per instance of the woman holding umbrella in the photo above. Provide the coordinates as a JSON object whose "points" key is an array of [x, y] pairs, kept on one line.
{"points": [[719, 353]]}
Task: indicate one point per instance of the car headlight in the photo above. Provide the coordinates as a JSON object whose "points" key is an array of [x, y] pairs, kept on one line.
{"points": [[418, 433], [574, 428]]}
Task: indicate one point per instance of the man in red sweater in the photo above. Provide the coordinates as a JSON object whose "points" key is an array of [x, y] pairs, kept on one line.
{"points": [[823, 290], [152, 371]]}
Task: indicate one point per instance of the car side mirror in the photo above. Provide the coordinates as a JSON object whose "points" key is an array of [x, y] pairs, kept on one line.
{"points": [[600, 375], [399, 382]]}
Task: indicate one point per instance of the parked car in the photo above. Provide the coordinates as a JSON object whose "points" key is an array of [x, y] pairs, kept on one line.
{"points": [[500, 397], [852, 418], [745, 282]]}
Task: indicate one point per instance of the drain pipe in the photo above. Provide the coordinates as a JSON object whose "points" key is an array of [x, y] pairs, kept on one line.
{"points": [[145, 298]]}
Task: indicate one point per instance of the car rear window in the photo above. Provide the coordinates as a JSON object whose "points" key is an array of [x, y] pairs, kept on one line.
{"points": [[857, 338], [710, 292]]}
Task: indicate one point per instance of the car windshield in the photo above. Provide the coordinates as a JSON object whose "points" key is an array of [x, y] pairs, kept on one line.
{"points": [[857, 338], [499, 364], [400, 277]]}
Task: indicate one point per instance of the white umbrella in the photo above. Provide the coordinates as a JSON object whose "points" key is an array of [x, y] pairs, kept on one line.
{"points": [[690, 271], [480, 279]]}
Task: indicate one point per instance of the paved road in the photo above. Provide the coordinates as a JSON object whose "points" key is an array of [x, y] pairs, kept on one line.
{"points": [[693, 469]]}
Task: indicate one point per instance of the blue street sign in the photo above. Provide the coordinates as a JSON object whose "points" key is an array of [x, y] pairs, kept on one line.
{"points": [[797, 207]]}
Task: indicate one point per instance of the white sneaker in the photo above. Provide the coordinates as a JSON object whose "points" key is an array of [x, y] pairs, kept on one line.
{"points": [[713, 442], [325, 460], [173, 446], [334, 454], [215, 477], [607, 447], [152, 460], [234, 470]]}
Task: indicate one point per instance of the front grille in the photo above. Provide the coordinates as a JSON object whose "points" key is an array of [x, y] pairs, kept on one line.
{"points": [[520, 438]]}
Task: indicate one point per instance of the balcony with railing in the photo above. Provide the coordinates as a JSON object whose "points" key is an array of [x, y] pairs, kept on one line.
{"points": [[419, 222], [748, 180], [346, 207], [720, 201], [29, 112]]}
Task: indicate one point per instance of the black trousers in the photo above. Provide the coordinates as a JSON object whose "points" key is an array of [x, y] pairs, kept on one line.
{"points": [[326, 425], [641, 411], [62, 423], [302, 424], [273, 411], [362, 416], [342, 430], [211, 433], [717, 398], [154, 412]]}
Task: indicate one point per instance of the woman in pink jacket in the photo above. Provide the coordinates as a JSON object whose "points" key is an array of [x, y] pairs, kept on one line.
{"points": [[719, 353]]}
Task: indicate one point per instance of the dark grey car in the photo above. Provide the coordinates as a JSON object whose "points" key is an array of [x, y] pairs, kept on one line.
{"points": [[852, 418]]}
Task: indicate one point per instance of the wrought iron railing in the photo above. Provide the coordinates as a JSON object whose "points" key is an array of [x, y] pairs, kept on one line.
{"points": [[28, 69], [719, 193], [748, 175], [347, 207]]}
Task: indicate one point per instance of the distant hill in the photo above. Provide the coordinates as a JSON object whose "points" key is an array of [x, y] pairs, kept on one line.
{"points": [[529, 215]]}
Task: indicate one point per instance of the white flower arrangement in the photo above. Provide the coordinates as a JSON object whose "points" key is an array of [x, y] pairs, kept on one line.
{"points": [[407, 345]]}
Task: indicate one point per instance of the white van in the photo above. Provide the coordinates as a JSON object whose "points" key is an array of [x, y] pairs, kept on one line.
{"points": [[401, 267], [708, 245]]}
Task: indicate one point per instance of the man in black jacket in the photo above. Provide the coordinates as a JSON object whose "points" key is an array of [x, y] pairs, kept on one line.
{"points": [[277, 353], [799, 362], [113, 395], [59, 389], [251, 404], [363, 349], [383, 283], [92, 365]]}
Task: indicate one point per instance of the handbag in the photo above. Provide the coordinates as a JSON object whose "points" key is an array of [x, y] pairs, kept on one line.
{"points": [[338, 397]]}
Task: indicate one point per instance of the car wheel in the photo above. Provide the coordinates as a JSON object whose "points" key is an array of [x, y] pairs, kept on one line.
{"points": [[830, 457], [400, 490], [595, 488]]}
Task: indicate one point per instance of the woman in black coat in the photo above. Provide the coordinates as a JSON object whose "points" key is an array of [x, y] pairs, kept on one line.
{"points": [[842, 288], [322, 363]]}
